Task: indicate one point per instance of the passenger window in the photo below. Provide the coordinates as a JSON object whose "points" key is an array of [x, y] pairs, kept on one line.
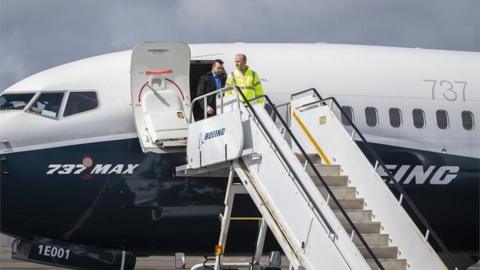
{"points": [[47, 104], [467, 120], [14, 101], [349, 111], [442, 119], [395, 117], [371, 116], [80, 102], [418, 118]]}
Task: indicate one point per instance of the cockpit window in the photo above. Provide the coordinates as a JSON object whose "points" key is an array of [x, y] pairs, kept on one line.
{"points": [[47, 104], [80, 102], [14, 101]]}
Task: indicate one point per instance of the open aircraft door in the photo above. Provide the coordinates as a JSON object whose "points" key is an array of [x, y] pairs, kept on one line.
{"points": [[160, 94]]}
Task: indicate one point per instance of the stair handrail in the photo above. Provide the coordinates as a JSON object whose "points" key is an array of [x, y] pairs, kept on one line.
{"points": [[204, 98], [310, 163], [403, 194]]}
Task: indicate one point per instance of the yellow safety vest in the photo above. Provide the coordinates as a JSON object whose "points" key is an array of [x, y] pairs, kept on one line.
{"points": [[249, 83]]}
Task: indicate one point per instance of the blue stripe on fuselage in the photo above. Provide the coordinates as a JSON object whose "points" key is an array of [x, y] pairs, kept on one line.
{"points": [[151, 211]]}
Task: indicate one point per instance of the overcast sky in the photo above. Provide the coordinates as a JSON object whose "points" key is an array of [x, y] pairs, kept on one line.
{"points": [[39, 34]]}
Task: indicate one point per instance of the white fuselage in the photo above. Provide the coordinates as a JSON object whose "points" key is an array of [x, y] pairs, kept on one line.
{"points": [[358, 76]]}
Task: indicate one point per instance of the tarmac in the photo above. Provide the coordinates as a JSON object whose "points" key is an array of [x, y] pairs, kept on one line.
{"points": [[148, 263]]}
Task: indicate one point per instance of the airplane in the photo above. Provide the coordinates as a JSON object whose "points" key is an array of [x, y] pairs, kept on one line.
{"points": [[75, 168]]}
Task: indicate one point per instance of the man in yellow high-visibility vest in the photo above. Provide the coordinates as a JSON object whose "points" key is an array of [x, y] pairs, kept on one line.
{"points": [[247, 79]]}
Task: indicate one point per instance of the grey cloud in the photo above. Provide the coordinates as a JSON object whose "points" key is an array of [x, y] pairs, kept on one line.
{"points": [[35, 35]]}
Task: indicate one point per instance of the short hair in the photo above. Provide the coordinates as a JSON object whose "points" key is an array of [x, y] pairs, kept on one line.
{"points": [[242, 56], [218, 61]]}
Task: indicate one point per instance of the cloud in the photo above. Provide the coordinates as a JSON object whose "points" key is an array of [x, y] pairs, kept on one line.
{"points": [[35, 35], [13, 61]]}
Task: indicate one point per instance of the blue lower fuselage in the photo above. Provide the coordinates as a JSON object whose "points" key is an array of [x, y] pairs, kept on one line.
{"points": [[111, 194]]}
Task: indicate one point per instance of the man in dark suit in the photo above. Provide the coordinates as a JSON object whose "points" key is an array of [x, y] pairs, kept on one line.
{"points": [[211, 81]]}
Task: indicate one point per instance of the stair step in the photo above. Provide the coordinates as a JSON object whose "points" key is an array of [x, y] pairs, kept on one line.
{"points": [[315, 158], [324, 170], [357, 216], [337, 181], [389, 264], [348, 204], [339, 192], [382, 252], [372, 239], [370, 227]]}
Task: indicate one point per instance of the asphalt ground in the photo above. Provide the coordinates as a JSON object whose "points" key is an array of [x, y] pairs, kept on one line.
{"points": [[148, 263]]}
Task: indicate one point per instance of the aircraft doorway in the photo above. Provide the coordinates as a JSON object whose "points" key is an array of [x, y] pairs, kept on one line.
{"points": [[197, 69]]}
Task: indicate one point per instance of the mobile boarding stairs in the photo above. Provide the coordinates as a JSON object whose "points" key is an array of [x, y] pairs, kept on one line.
{"points": [[316, 191]]}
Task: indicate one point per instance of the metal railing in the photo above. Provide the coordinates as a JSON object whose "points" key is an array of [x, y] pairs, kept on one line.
{"points": [[311, 164], [204, 98], [378, 161]]}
